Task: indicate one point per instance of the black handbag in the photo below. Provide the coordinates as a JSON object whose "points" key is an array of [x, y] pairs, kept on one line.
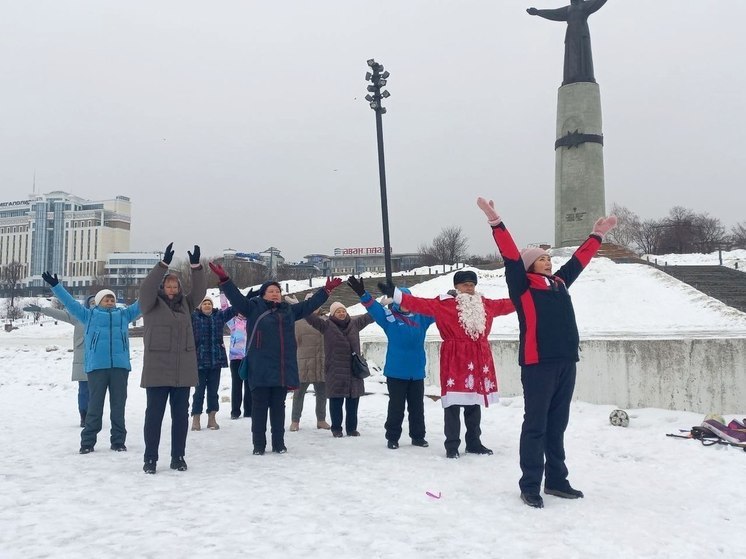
{"points": [[359, 367]]}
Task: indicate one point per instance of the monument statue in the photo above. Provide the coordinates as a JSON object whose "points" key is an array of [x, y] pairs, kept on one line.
{"points": [[578, 59]]}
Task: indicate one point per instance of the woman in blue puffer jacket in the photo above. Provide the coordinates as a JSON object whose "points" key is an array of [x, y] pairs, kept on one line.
{"points": [[106, 360]]}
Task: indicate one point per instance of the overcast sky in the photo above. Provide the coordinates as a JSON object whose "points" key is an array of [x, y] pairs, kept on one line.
{"points": [[242, 124]]}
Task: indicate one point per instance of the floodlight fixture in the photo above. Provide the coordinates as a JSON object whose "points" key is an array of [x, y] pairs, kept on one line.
{"points": [[385, 94], [385, 75], [370, 97]]}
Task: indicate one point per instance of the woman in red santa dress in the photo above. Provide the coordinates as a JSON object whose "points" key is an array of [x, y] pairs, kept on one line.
{"points": [[468, 378]]}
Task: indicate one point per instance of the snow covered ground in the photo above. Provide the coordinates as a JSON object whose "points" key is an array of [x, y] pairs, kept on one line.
{"points": [[647, 495], [731, 259]]}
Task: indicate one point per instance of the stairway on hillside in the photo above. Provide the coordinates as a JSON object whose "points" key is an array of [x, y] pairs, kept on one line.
{"points": [[724, 284]]}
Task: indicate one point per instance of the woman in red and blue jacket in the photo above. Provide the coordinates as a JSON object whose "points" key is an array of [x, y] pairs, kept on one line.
{"points": [[548, 352]]}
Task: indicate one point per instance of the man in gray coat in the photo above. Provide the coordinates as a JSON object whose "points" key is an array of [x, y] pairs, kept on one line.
{"points": [[78, 349], [169, 357]]}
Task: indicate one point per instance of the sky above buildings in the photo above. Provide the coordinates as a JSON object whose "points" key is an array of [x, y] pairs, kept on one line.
{"points": [[243, 125]]}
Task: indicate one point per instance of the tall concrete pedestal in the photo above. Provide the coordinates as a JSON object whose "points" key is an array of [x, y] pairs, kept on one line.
{"points": [[579, 198]]}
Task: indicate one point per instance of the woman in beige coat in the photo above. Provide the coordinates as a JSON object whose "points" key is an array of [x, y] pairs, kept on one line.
{"points": [[310, 354], [169, 358]]}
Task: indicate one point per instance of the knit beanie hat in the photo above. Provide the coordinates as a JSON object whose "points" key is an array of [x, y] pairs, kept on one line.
{"points": [[103, 293], [265, 285], [463, 276], [335, 306], [530, 255], [206, 298]]}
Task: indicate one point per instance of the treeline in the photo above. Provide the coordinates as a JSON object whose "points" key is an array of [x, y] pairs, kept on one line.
{"points": [[682, 231]]}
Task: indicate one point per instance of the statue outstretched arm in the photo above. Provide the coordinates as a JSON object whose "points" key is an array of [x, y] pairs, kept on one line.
{"points": [[559, 14], [593, 6]]}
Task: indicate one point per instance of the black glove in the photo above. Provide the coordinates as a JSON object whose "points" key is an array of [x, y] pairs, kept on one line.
{"points": [[252, 293], [356, 285], [50, 279], [32, 308], [387, 289], [194, 256], [168, 254]]}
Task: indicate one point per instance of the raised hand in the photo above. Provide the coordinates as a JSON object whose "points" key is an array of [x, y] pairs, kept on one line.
{"points": [[603, 225], [387, 288], [252, 293], [50, 279], [356, 285], [332, 284], [489, 210], [168, 254], [217, 269], [194, 256], [32, 308]]}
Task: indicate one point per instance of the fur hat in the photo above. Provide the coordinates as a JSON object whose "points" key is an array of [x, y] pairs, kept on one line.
{"points": [[462, 276], [291, 299], [335, 306], [103, 293], [530, 255], [266, 284]]}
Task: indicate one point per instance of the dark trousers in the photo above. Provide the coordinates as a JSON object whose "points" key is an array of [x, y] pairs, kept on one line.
{"points": [[452, 426], [350, 413], [99, 381], [83, 396], [299, 395], [411, 393], [157, 397], [547, 392], [240, 392], [209, 380], [266, 399]]}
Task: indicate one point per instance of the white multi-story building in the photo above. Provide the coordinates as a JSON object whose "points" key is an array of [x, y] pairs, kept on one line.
{"points": [[63, 234], [125, 271]]}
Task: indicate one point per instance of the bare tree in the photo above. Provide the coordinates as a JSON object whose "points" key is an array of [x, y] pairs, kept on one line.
{"points": [[625, 232], [477, 260], [648, 235], [709, 233], [10, 281], [449, 247], [738, 235]]}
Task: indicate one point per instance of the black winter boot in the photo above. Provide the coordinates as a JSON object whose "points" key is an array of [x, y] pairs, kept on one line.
{"points": [[82, 418], [567, 492], [533, 500], [149, 467], [177, 463], [86, 449]]}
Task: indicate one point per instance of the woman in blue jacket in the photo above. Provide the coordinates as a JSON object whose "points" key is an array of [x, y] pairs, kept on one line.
{"points": [[106, 360], [405, 363], [270, 351]]}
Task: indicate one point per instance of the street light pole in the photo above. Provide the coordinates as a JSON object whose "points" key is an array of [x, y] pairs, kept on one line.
{"points": [[378, 79]]}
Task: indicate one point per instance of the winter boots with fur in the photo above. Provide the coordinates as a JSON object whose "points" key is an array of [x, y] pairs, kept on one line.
{"points": [[211, 423]]}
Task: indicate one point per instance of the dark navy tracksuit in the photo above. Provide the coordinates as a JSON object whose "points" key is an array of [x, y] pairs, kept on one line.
{"points": [[548, 353]]}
